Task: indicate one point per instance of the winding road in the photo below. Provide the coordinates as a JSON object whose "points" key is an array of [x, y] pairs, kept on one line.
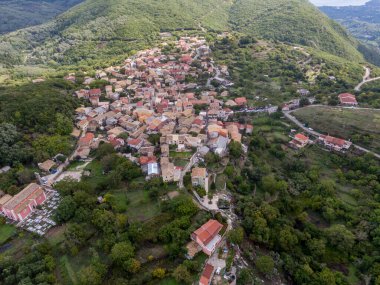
{"points": [[289, 116], [366, 78]]}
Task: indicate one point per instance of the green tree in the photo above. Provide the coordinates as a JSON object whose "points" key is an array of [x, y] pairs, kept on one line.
{"points": [[236, 236], [326, 277], [104, 220], [12, 150], [265, 264], [45, 146], [132, 265], [121, 252], [182, 275], [340, 237], [287, 239], [89, 276], [63, 125], [65, 210], [235, 149], [245, 277], [159, 273]]}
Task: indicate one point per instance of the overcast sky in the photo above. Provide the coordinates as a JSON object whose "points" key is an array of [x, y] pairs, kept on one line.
{"points": [[338, 2]]}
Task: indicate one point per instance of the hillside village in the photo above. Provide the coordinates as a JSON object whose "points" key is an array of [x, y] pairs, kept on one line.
{"points": [[152, 108], [165, 109]]}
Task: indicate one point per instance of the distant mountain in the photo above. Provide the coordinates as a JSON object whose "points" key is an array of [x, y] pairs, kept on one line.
{"points": [[18, 14], [363, 22], [98, 29]]}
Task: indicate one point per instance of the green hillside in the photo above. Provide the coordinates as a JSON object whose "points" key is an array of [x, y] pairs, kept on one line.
{"points": [[108, 28], [18, 14], [116, 27], [294, 21]]}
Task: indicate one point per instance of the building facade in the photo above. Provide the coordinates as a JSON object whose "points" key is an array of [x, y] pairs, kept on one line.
{"points": [[20, 206]]}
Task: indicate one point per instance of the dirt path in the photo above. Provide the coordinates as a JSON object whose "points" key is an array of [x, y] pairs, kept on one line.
{"points": [[366, 78]]}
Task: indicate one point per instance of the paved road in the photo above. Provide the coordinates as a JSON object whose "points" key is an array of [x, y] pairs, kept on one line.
{"points": [[289, 116], [366, 78], [217, 76]]}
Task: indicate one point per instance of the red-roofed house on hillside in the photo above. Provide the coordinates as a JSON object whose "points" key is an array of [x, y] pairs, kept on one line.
{"points": [[207, 275], [144, 160], [335, 143], [207, 236], [95, 92], [135, 143], [241, 101], [86, 140], [348, 99], [20, 206], [299, 141]]}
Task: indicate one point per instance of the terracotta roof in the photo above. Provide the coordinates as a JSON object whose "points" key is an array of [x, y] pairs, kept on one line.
{"points": [[347, 98], [206, 274], [208, 231], [199, 172], [301, 137], [134, 142], [241, 100], [5, 199], [87, 138], [23, 195], [94, 92], [336, 141], [147, 159]]}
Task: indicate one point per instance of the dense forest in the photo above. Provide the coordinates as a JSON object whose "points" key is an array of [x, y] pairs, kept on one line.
{"points": [[114, 27], [36, 121], [18, 14]]}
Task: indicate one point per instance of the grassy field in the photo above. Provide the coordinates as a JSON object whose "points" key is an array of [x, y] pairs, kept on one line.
{"points": [[361, 126], [6, 231], [138, 205], [96, 175], [183, 155]]}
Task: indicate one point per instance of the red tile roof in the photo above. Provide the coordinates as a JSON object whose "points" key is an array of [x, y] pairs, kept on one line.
{"points": [[208, 231], [206, 274], [95, 92], [87, 138], [347, 98], [301, 137], [147, 159], [241, 100], [134, 142], [336, 141], [333, 140]]}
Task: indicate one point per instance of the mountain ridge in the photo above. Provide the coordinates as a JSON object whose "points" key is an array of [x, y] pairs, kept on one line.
{"points": [[104, 28]]}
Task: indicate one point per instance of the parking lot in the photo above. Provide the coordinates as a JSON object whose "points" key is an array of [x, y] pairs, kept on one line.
{"points": [[40, 221]]}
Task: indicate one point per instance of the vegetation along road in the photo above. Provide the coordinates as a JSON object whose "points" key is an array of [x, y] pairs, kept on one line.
{"points": [[288, 115], [366, 78]]}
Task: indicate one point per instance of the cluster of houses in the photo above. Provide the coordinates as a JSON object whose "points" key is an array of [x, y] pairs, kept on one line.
{"points": [[300, 140], [154, 93]]}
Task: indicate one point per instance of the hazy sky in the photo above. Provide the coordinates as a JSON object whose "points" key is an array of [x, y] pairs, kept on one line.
{"points": [[338, 2]]}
